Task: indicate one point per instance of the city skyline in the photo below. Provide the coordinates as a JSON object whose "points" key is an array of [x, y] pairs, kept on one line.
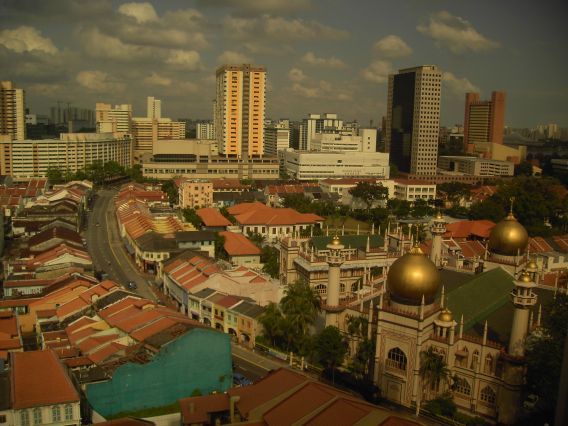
{"points": [[319, 56]]}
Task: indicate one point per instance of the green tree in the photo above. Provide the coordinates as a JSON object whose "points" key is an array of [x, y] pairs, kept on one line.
{"points": [[54, 175], [190, 216], [455, 190], [301, 306], [330, 348], [270, 257], [369, 193], [420, 208], [220, 252], [523, 169], [227, 215], [433, 369], [398, 208], [135, 173], [273, 322], [171, 189], [393, 173]]}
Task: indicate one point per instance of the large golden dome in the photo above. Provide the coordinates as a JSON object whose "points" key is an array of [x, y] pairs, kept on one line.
{"points": [[508, 237], [412, 276]]}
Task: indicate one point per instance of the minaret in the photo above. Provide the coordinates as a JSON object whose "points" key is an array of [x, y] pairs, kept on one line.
{"points": [[334, 259], [438, 228], [523, 299]]}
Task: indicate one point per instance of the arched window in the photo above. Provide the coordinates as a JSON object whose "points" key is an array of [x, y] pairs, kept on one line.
{"points": [[321, 289], [396, 359], [462, 387], [24, 418], [474, 359], [488, 395], [463, 360], [355, 287], [56, 413], [37, 416], [488, 366], [68, 412], [342, 288]]}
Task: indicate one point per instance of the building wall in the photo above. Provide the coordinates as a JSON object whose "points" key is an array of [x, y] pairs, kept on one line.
{"points": [[484, 121], [44, 415], [12, 111], [147, 131], [245, 260], [195, 193], [73, 151], [205, 131], [199, 359], [411, 192], [276, 139], [117, 119], [476, 166]]}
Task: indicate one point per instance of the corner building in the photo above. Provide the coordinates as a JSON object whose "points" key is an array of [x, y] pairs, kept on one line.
{"points": [[239, 110], [413, 119]]}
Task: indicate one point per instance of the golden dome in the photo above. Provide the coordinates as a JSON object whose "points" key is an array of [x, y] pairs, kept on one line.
{"points": [[508, 237], [525, 277], [532, 266], [335, 241], [446, 315], [412, 276], [439, 215]]}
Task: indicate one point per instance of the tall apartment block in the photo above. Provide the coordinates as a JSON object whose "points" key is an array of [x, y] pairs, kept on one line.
{"points": [[147, 131], [12, 111], [276, 138], [154, 107], [117, 119], [205, 130], [317, 123], [239, 110], [413, 119], [484, 121]]}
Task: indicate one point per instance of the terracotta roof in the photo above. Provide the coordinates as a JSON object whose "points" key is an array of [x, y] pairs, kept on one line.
{"points": [[260, 214], [238, 245], [197, 409], [471, 249], [228, 184], [468, 228], [347, 181], [38, 379], [212, 217]]}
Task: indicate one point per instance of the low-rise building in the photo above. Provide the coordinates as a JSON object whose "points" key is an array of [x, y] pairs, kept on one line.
{"points": [[476, 166], [304, 165], [195, 193], [239, 249], [411, 190]]}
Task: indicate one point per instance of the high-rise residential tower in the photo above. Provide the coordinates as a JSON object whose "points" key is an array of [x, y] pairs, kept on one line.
{"points": [[117, 119], [239, 111], [12, 111], [317, 123], [413, 119], [484, 121], [154, 107]]}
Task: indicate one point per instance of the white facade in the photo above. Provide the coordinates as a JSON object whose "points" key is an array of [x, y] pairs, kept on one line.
{"points": [[476, 166], [276, 138], [410, 191], [205, 131], [117, 119], [304, 165], [55, 415], [154, 107], [339, 142], [317, 123]]}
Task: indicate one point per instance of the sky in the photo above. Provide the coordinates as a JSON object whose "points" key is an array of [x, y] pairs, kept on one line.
{"points": [[320, 55]]}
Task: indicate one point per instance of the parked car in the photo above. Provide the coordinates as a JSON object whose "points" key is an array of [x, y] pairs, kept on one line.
{"points": [[131, 285], [240, 380]]}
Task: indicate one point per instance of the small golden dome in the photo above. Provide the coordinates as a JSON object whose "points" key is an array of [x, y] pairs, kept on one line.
{"points": [[412, 276], [525, 277], [446, 315], [532, 266], [508, 237], [335, 241], [439, 215]]}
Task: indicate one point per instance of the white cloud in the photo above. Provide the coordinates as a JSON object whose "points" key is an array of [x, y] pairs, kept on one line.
{"points": [[296, 74], [311, 59], [457, 86], [26, 39], [142, 12], [99, 45], [455, 33], [230, 57], [321, 90], [264, 6], [98, 81], [155, 79], [377, 71], [392, 46], [184, 59]]}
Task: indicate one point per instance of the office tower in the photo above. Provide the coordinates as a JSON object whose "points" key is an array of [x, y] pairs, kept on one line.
{"points": [[413, 119], [154, 107], [205, 130], [484, 121], [317, 123], [240, 106], [12, 111], [117, 119], [277, 137]]}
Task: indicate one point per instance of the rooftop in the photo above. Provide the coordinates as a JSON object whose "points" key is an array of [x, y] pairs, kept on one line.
{"points": [[238, 245]]}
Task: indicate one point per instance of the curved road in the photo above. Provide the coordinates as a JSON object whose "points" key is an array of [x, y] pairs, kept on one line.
{"points": [[106, 248]]}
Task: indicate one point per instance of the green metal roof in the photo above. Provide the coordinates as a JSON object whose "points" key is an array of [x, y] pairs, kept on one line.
{"points": [[353, 241]]}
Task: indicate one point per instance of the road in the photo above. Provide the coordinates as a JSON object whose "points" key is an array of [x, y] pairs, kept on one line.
{"points": [[106, 248], [252, 365]]}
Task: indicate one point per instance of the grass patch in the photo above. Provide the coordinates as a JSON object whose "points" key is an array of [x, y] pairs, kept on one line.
{"points": [[337, 223], [148, 412]]}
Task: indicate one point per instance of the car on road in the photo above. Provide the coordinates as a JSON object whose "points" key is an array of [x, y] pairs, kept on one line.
{"points": [[241, 380], [131, 285]]}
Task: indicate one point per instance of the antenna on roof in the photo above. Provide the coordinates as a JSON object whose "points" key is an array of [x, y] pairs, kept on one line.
{"points": [[512, 200]]}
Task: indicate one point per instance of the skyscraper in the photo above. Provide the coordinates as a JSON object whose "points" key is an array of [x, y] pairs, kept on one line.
{"points": [[154, 107], [239, 112], [413, 119], [484, 121], [12, 111], [317, 123], [117, 119]]}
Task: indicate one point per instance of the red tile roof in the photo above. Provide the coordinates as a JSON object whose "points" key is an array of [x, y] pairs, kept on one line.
{"points": [[471, 249], [238, 245], [212, 217], [39, 379], [260, 214], [195, 410], [469, 228]]}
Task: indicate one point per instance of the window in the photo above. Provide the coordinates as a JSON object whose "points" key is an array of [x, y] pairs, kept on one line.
{"points": [[37, 416], [462, 387], [488, 395], [68, 412], [24, 418], [474, 360], [56, 413], [396, 359], [488, 367]]}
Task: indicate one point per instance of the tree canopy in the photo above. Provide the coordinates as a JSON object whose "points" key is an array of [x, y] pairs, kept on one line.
{"points": [[190, 216], [369, 193], [330, 347]]}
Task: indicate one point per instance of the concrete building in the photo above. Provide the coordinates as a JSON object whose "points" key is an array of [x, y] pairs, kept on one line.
{"points": [[240, 107], [195, 193], [205, 130], [117, 119], [413, 119], [410, 190], [72, 151], [276, 138], [304, 165], [339, 142], [12, 111], [484, 121], [154, 108], [147, 131], [476, 166], [317, 123]]}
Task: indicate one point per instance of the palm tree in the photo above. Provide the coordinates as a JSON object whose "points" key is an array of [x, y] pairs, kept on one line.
{"points": [[301, 306], [272, 321], [433, 371]]}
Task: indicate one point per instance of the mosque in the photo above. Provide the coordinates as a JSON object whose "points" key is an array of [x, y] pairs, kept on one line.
{"points": [[476, 322]]}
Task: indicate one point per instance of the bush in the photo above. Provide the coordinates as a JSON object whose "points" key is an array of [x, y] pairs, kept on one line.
{"points": [[442, 406]]}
